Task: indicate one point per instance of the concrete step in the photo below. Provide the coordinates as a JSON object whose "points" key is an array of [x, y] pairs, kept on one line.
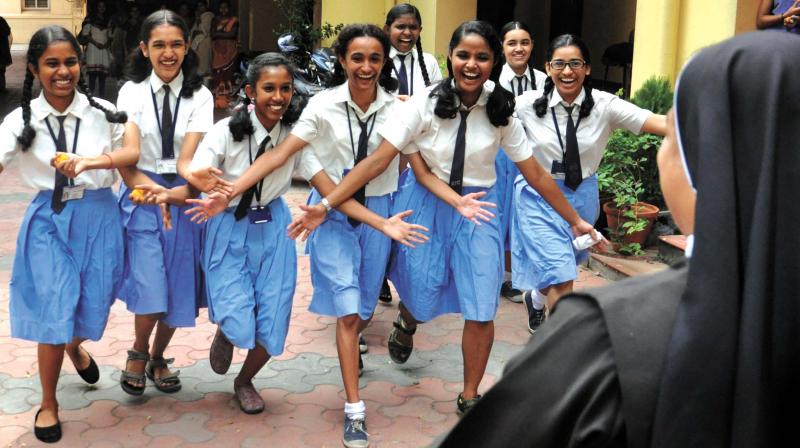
{"points": [[619, 267], [671, 248]]}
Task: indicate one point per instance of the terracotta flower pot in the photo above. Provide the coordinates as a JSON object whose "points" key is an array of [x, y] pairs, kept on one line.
{"points": [[616, 218]]}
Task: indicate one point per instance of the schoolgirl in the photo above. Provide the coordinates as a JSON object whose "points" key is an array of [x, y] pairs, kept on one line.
{"points": [[451, 135], [413, 69], [517, 76], [568, 125], [69, 248], [169, 111]]}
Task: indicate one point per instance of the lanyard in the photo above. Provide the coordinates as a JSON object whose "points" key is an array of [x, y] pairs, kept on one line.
{"points": [[260, 184], [411, 72], [350, 128], [558, 131], [74, 141], [524, 89], [174, 114]]}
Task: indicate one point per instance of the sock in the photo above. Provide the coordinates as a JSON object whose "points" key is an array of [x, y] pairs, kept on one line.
{"points": [[356, 410], [539, 299], [506, 276]]}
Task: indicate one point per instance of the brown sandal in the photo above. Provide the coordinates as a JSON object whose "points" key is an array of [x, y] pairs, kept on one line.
{"points": [[398, 351], [127, 376], [168, 384]]}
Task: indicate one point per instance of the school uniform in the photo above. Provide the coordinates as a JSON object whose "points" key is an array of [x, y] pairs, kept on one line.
{"points": [[541, 249], [460, 268], [413, 72], [67, 264], [249, 262], [507, 171], [162, 267], [348, 262]]}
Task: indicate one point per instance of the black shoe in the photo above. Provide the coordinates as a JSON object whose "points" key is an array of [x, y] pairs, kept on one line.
{"points": [[386, 294], [49, 434], [465, 405], [362, 344], [91, 374], [535, 317], [508, 292]]}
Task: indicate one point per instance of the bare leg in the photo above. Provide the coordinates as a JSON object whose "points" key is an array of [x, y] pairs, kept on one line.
{"points": [[556, 291], [163, 335], [476, 344], [50, 358], [143, 327], [347, 348], [256, 359]]}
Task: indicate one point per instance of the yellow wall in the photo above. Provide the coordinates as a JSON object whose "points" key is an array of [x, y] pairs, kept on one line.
{"points": [[68, 14]]}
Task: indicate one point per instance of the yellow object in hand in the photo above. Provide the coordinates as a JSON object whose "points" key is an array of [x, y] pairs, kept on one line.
{"points": [[137, 195], [61, 158]]}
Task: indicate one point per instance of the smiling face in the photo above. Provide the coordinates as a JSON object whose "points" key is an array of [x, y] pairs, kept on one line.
{"points": [[517, 48], [568, 81], [404, 32], [166, 50], [272, 94], [363, 63], [58, 72], [472, 61]]}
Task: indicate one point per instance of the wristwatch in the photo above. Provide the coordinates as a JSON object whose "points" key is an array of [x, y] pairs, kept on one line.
{"points": [[326, 204]]}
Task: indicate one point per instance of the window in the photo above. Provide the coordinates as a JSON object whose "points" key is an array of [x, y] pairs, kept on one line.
{"points": [[36, 4]]}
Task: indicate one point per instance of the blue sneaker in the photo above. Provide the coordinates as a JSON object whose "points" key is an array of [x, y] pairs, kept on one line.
{"points": [[535, 317], [355, 433]]}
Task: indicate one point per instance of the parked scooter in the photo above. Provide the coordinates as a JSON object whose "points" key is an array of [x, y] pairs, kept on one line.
{"points": [[315, 69]]}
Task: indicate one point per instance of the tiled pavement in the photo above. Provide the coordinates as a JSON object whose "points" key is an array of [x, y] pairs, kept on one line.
{"points": [[407, 405]]}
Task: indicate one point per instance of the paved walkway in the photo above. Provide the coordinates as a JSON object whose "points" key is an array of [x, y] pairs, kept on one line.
{"points": [[407, 405]]}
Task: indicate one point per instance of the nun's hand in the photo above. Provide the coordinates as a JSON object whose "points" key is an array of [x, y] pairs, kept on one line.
{"points": [[208, 180], [404, 232], [306, 222], [471, 208], [149, 194], [583, 227], [207, 207]]}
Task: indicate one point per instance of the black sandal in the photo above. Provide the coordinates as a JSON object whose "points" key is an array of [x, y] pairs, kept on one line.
{"points": [[168, 384], [47, 434], [398, 351], [126, 376], [91, 374], [386, 294]]}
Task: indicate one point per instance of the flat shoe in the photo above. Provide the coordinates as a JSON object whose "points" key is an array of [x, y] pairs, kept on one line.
{"points": [[91, 374], [250, 402], [220, 354], [47, 434]]}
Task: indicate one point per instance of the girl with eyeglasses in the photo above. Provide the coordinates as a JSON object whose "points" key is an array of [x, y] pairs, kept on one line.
{"points": [[568, 125]]}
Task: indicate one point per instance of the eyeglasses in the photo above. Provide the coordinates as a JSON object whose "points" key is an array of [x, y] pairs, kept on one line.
{"points": [[560, 64]]}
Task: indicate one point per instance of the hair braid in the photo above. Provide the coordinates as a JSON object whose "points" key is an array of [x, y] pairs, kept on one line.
{"points": [[588, 101], [240, 124], [540, 105], [111, 116], [28, 134], [422, 66]]}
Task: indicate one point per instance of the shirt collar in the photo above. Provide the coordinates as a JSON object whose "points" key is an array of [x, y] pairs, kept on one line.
{"points": [[508, 71], [261, 132], [41, 109], [175, 85], [393, 52], [483, 99], [342, 95], [555, 99]]}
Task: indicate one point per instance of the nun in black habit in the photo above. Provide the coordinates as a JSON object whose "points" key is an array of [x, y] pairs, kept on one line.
{"points": [[706, 354]]}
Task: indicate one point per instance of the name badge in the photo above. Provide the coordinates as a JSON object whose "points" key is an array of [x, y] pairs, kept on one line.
{"points": [[73, 193], [557, 168], [259, 215], [166, 166]]}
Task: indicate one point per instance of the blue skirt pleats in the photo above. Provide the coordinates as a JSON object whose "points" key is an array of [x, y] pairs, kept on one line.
{"points": [[459, 270], [541, 240], [251, 272], [507, 172], [162, 267], [348, 264], [67, 268]]}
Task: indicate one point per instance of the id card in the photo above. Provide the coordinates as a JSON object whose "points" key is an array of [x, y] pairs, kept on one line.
{"points": [[166, 166], [557, 168], [73, 193], [259, 215]]}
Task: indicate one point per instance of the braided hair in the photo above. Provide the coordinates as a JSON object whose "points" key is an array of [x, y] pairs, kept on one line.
{"points": [[240, 124], [39, 42], [567, 40], [501, 102], [354, 31], [139, 66], [403, 9], [515, 25]]}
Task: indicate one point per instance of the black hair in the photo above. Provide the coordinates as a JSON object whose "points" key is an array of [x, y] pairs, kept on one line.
{"points": [[501, 102], [354, 31], [403, 9], [515, 25], [566, 40], [139, 67], [240, 124], [39, 42]]}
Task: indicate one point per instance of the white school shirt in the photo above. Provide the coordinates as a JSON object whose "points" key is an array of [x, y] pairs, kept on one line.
{"points": [[416, 83], [323, 124], [609, 113], [196, 114], [95, 136], [508, 79], [416, 128], [219, 150]]}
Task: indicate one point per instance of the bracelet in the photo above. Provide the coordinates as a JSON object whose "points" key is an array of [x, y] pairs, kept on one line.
{"points": [[326, 204], [110, 160]]}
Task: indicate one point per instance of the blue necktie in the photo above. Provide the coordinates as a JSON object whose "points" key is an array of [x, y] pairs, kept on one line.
{"points": [[402, 75]]}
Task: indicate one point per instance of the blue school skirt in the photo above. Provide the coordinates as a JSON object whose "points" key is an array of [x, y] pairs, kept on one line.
{"points": [[250, 276], [541, 240], [67, 268], [507, 172], [458, 270], [162, 267], [348, 264]]}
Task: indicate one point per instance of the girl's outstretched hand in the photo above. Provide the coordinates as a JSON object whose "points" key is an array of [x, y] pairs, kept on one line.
{"points": [[69, 165], [306, 222], [209, 180], [404, 232], [149, 194], [471, 208], [212, 205]]}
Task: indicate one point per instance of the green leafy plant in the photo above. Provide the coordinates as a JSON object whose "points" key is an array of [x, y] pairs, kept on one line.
{"points": [[300, 22]]}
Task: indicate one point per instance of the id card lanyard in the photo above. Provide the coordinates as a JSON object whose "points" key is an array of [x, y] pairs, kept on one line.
{"points": [[558, 132], [350, 128], [174, 114], [411, 73], [74, 140], [260, 184]]}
